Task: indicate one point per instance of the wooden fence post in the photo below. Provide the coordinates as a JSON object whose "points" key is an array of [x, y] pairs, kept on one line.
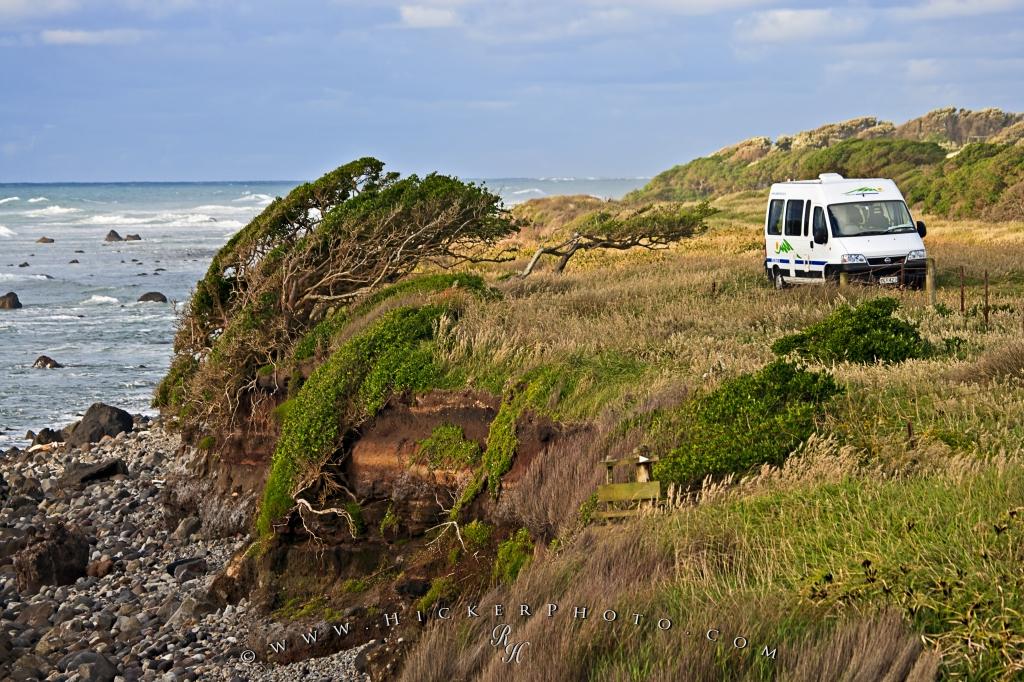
{"points": [[929, 280]]}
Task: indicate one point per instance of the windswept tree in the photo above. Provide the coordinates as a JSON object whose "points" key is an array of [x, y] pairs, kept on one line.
{"points": [[650, 227], [326, 244]]}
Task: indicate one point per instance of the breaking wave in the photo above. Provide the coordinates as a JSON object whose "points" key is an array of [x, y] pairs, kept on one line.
{"points": [[11, 277], [255, 197], [50, 211], [98, 300]]}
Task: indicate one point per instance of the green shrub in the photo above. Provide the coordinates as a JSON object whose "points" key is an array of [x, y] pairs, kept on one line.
{"points": [[447, 448], [171, 390], [354, 586], [514, 555], [754, 419], [319, 337], [391, 356], [867, 333], [476, 534], [441, 589], [390, 521], [587, 509], [206, 443]]}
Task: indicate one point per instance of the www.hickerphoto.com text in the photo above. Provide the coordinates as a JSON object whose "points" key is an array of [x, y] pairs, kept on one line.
{"points": [[520, 613]]}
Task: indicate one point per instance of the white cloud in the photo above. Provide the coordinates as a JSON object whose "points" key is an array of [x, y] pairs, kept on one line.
{"points": [[948, 9], [20, 9], [112, 36], [425, 16], [791, 25]]}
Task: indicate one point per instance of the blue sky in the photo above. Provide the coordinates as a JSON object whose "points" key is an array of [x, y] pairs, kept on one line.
{"points": [[95, 90]]}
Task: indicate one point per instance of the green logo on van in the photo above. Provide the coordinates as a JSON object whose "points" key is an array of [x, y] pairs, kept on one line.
{"points": [[784, 247], [865, 190]]}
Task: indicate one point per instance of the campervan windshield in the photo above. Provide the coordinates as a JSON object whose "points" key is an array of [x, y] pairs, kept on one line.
{"points": [[865, 218]]}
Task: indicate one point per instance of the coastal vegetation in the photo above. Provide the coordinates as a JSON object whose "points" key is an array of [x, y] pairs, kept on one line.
{"points": [[846, 464], [942, 167]]}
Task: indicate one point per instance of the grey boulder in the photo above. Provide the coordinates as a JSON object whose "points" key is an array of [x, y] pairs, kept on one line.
{"points": [[99, 420]]}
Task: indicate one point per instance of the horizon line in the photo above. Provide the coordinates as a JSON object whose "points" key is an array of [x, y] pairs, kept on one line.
{"points": [[552, 178]]}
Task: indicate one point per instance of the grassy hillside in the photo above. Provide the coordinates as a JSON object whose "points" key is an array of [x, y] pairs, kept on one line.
{"points": [[972, 166], [846, 467], [900, 514]]}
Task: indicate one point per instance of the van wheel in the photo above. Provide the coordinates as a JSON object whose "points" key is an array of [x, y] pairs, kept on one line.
{"points": [[778, 280]]}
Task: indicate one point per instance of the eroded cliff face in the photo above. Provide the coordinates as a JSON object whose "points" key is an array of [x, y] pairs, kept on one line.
{"points": [[313, 571]]}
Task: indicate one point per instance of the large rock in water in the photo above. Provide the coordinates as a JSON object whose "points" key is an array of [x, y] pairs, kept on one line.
{"points": [[44, 240], [113, 236], [9, 301], [59, 559], [46, 362], [99, 420], [152, 297]]}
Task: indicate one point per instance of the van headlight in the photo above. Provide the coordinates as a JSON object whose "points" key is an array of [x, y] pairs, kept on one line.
{"points": [[853, 258], [917, 254]]}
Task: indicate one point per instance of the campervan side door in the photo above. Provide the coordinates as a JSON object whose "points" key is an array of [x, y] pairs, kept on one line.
{"points": [[793, 250], [820, 254]]}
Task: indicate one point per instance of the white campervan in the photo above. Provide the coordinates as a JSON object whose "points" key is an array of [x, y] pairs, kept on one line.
{"points": [[817, 229]]}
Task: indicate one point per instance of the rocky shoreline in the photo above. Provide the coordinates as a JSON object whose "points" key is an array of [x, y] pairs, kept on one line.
{"points": [[136, 604]]}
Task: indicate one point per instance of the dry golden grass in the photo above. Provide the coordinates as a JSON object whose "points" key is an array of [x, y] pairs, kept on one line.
{"points": [[702, 310], [634, 570], [677, 322]]}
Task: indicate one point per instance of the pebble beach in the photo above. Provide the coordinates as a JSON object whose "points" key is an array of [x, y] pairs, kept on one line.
{"points": [[142, 611]]}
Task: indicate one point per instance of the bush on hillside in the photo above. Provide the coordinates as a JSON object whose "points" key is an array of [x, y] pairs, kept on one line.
{"points": [[754, 419], [983, 180], [281, 286], [514, 555], [866, 333]]}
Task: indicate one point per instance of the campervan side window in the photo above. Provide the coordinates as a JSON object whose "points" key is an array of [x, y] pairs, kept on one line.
{"points": [[794, 211], [807, 218], [819, 218], [775, 217]]}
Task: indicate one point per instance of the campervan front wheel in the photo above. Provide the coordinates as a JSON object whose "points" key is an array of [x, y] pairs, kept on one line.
{"points": [[777, 279]]}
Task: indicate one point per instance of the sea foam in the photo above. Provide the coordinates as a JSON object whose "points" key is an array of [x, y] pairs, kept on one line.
{"points": [[11, 277], [96, 299], [50, 211], [255, 197], [9, 199], [36, 200], [7, 232]]}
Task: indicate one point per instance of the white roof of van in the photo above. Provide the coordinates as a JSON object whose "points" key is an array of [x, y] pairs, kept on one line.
{"points": [[834, 188]]}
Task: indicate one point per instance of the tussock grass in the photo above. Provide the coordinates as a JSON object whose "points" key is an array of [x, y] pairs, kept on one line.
{"points": [[897, 517]]}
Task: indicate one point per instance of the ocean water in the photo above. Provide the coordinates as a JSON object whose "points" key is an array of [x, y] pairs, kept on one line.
{"points": [[86, 316]]}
